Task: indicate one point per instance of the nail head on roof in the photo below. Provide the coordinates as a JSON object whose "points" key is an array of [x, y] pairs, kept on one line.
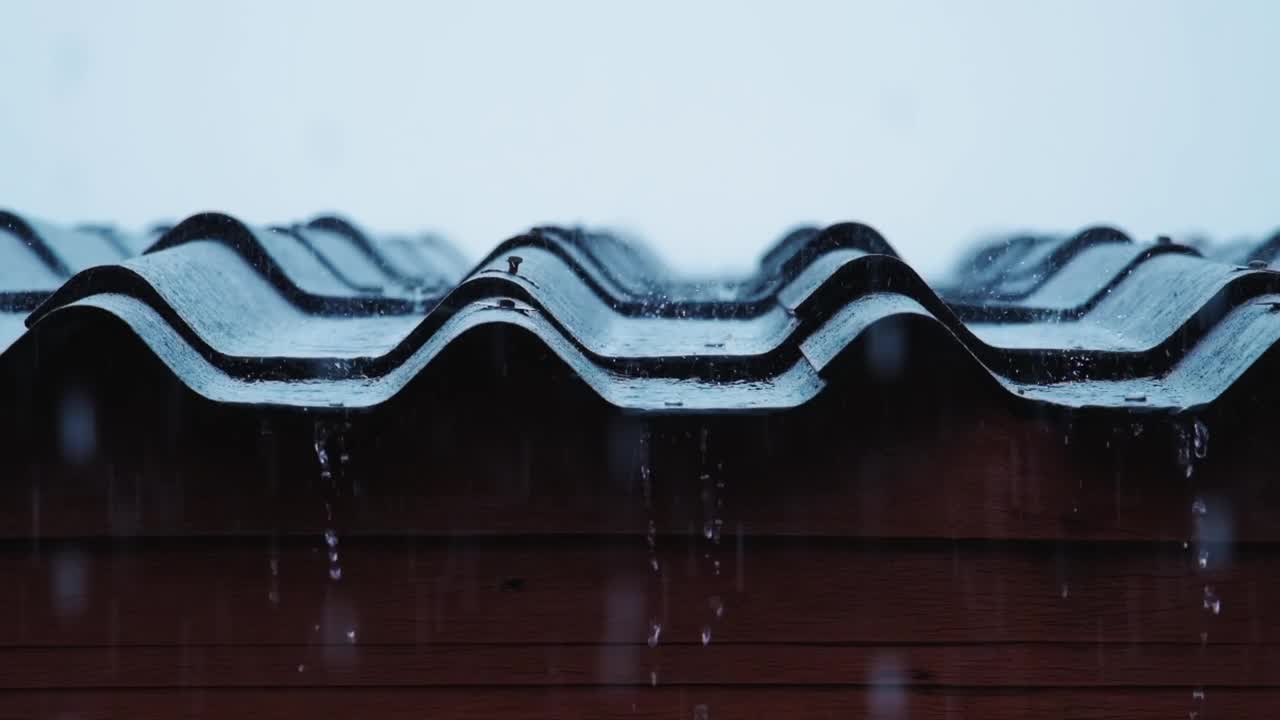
{"points": [[513, 263]]}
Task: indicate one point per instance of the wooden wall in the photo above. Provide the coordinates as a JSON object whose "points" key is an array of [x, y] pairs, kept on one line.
{"points": [[915, 547]]}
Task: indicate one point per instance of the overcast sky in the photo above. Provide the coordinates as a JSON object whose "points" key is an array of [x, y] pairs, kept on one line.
{"points": [[705, 127]]}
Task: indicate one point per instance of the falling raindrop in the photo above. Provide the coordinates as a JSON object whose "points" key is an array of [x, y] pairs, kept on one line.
{"points": [[701, 712], [1066, 590], [335, 572], [77, 428], [716, 605], [1183, 449], [302, 668], [1203, 559], [653, 678], [1212, 602], [708, 529], [1200, 439], [274, 597], [351, 635], [330, 537], [653, 564], [274, 564], [322, 452], [1198, 507], [706, 635], [655, 633], [1197, 694]]}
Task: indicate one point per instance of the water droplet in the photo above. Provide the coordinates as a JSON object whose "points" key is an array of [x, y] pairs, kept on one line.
{"points": [[1185, 544], [1198, 507], [330, 537], [302, 668], [653, 678], [335, 572], [715, 567], [351, 635], [706, 635], [653, 564], [655, 633], [333, 556], [1183, 449], [274, 564], [1066, 590], [274, 597], [1200, 439], [322, 452], [1197, 694], [708, 529], [1204, 638], [1203, 559], [701, 712], [717, 606], [1212, 602]]}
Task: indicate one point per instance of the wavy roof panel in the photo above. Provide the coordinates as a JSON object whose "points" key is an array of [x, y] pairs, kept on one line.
{"points": [[323, 314]]}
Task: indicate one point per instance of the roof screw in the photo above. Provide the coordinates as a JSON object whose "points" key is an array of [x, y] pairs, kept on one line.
{"points": [[1258, 264], [1164, 240], [507, 303], [513, 263]]}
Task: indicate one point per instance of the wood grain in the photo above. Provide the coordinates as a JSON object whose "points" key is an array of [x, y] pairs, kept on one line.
{"points": [[359, 664], [603, 590], [662, 702]]}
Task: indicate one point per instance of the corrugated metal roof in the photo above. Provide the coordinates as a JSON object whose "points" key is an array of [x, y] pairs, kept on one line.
{"points": [[322, 314], [930, 502]]}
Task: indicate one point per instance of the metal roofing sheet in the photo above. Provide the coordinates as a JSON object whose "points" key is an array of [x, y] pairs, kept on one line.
{"points": [[323, 314]]}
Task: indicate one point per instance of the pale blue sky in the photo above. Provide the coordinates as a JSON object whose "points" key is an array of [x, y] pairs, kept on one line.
{"points": [[707, 128]]}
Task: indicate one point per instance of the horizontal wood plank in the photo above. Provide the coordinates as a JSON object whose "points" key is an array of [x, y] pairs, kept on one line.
{"points": [[640, 702], [359, 664], [601, 590], [996, 478]]}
